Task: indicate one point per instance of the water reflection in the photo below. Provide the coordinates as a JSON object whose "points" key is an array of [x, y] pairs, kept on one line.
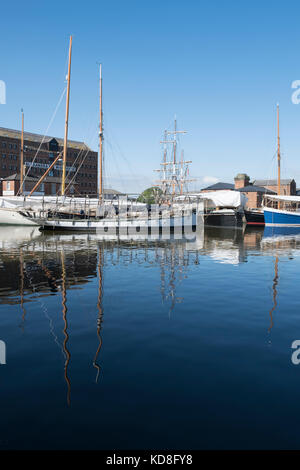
{"points": [[22, 288], [284, 242], [274, 289], [34, 266], [135, 326], [65, 330], [100, 310]]}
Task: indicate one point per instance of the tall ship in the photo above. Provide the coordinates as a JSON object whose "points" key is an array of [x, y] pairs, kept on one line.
{"points": [[91, 214]]}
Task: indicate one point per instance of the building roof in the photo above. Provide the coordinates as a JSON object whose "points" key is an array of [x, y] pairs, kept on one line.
{"points": [[219, 186], [112, 191], [252, 188], [15, 134], [47, 179], [271, 182], [17, 177]]}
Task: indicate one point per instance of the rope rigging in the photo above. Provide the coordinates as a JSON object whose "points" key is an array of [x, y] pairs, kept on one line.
{"points": [[45, 135]]}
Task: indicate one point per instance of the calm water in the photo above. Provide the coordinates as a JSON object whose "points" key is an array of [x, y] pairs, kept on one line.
{"points": [[149, 345]]}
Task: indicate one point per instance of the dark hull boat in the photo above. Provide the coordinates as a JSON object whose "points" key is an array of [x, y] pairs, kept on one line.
{"points": [[254, 217], [224, 218], [221, 208]]}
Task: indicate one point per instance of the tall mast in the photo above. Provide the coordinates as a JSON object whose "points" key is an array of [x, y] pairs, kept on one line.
{"points": [[100, 139], [174, 156], [22, 155], [278, 152], [181, 174], [66, 123], [164, 167], [170, 171]]}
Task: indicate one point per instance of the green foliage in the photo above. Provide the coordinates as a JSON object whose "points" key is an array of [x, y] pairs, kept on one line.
{"points": [[150, 195]]}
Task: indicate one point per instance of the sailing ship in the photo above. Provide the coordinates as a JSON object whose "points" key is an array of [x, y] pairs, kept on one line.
{"points": [[65, 213], [123, 215], [281, 210]]}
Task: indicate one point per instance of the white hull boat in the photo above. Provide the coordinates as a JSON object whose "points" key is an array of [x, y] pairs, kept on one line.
{"points": [[129, 224], [10, 216]]}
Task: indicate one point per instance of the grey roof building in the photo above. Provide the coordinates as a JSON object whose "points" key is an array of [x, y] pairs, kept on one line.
{"points": [[272, 182], [252, 188], [219, 187], [17, 177]]}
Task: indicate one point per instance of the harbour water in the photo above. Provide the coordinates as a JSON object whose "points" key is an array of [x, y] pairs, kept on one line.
{"points": [[149, 345]]}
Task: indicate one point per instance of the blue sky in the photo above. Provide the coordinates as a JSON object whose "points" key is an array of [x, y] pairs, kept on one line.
{"points": [[221, 67]]}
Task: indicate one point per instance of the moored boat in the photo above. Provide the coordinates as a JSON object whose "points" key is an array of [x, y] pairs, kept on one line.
{"points": [[282, 211], [254, 217], [224, 218], [12, 216], [221, 208], [279, 210]]}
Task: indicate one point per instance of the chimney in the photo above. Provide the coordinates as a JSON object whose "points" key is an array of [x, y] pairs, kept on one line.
{"points": [[241, 180]]}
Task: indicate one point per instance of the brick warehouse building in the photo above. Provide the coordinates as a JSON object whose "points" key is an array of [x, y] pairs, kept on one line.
{"points": [[256, 190], [79, 155]]}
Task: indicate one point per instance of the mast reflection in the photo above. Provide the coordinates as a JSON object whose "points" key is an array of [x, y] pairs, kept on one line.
{"points": [[100, 309], [274, 288], [65, 330], [282, 240], [22, 287]]}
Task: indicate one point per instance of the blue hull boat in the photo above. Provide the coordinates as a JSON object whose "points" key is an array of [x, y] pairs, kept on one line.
{"points": [[281, 218]]}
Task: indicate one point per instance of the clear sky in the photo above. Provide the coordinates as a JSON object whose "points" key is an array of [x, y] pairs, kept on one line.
{"points": [[220, 66]]}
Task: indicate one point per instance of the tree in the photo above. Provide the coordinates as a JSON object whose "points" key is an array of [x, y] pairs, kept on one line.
{"points": [[150, 195]]}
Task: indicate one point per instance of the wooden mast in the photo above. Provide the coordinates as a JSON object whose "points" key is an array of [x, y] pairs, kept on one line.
{"points": [[278, 153], [100, 139], [22, 155], [66, 123], [181, 174], [174, 156]]}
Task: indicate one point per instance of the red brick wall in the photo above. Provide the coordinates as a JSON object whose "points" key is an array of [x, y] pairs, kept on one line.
{"points": [[241, 182], [10, 162], [285, 189]]}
